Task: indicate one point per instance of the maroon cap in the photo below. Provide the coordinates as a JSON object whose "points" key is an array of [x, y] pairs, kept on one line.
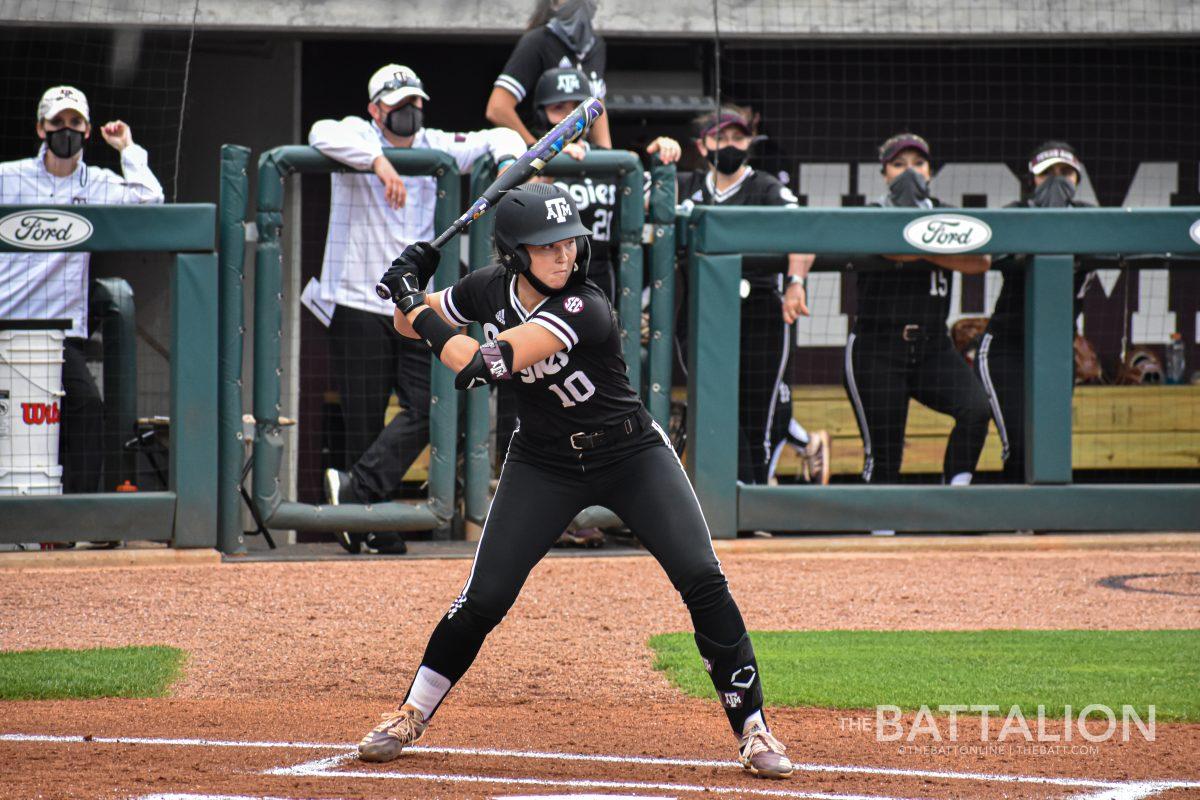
{"points": [[1052, 154], [902, 141], [713, 124]]}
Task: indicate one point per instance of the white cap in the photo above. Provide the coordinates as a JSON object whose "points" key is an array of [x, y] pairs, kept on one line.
{"points": [[391, 84], [58, 98]]}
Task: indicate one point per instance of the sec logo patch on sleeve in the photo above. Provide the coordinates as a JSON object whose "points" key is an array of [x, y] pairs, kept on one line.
{"points": [[573, 304]]}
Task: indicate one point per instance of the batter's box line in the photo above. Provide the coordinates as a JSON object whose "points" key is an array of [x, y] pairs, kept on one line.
{"points": [[1109, 790]]}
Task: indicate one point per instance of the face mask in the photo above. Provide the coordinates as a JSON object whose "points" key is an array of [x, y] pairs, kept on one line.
{"points": [[64, 142], [1055, 192], [573, 24], [730, 159], [405, 121], [908, 189]]}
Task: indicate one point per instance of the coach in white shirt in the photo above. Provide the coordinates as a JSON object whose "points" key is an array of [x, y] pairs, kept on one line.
{"points": [[54, 285], [372, 218]]}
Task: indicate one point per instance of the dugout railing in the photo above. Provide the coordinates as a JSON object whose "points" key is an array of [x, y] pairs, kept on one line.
{"points": [[650, 367], [1048, 501], [184, 514], [273, 508]]}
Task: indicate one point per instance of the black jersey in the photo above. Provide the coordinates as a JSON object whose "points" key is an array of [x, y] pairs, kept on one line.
{"points": [[896, 293], [1009, 313], [597, 204], [541, 49], [753, 189], [581, 388]]}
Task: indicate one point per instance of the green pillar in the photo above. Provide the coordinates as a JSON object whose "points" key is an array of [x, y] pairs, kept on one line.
{"points": [[1049, 368], [193, 471], [714, 321]]}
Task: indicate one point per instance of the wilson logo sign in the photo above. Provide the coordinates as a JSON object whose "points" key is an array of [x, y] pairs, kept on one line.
{"points": [[44, 229], [947, 233]]}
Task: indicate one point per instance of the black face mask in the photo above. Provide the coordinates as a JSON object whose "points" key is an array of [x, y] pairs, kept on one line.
{"points": [[406, 120], [908, 189], [64, 142], [1055, 192], [572, 23], [729, 159]]}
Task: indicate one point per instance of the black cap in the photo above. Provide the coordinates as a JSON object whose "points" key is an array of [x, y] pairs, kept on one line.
{"points": [[1048, 154], [561, 85], [901, 142], [536, 213]]}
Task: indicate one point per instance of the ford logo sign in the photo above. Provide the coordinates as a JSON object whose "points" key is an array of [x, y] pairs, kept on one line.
{"points": [[1195, 231], [947, 233], [44, 229]]}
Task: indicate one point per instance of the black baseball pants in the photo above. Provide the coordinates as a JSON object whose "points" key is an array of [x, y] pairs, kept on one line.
{"points": [[883, 370], [1000, 365], [540, 492], [763, 359], [81, 435], [369, 361]]}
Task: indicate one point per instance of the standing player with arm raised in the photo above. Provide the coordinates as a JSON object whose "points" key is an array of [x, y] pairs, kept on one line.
{"points": [[1054, 174], [585, 439], [55, 285], [773, 297], [900, 348], [372, 215], [559, 35]]}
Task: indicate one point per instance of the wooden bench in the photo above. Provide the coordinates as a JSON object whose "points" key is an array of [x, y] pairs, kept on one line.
{"points": [[1115, 427]]}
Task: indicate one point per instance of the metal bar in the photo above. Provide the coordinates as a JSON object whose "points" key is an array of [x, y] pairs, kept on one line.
{"points": [[478, 465], [874, 230], [193, 472], [660, 357], [1049, 369], [273, 168], [444, 399], [714, 319], [975, 508], [234, 202], [354, 518], [133, 516], [175, 227]]}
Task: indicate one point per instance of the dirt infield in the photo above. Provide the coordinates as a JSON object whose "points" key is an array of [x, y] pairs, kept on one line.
{"points": [[291, 663]]}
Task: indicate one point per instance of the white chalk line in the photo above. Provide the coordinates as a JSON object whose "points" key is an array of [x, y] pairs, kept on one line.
{"points": [[1141, 786], [326, 768]]}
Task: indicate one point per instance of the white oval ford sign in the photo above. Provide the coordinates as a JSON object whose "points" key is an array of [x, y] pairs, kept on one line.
{"points": [[947, 233], [1195, 231], [44, 229]]}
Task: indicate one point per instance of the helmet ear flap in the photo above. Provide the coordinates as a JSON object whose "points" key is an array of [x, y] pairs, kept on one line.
{"points": [[583, 253], [517, 259]]}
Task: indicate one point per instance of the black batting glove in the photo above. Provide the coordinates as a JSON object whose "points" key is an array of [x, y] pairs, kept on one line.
{"points": [[404, 284], [425, 257]]}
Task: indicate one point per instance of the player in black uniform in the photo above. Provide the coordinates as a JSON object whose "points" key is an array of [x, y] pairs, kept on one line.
{"points": [[560, 34], [900, 348], [773, 296], [1054, 174], [584, 439]]}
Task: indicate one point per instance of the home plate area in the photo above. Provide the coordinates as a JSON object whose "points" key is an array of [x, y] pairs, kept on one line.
{"points": [[262, 770]]}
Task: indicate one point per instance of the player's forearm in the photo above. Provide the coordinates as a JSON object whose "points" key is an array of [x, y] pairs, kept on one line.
{"points": [[600, 135], [799, 264], [458, 349]]}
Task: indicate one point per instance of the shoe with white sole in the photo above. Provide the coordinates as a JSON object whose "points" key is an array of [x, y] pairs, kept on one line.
{"points": [[387, 740], [762, 754], [336, 483]]}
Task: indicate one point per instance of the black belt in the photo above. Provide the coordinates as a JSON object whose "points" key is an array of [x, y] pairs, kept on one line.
{"points": [[605, 437], [909, 333]]}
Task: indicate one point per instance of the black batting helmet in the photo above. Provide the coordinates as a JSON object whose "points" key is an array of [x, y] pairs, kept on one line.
{"points": [[536, 214], [559, 86]]}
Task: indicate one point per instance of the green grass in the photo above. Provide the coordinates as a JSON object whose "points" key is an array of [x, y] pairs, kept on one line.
{"points": [[863, 669], [85, 674]]}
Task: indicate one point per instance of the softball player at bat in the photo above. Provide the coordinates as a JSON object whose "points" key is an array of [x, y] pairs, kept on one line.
{"points": [[1054, 175], [584, 439], [899, 347]]}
